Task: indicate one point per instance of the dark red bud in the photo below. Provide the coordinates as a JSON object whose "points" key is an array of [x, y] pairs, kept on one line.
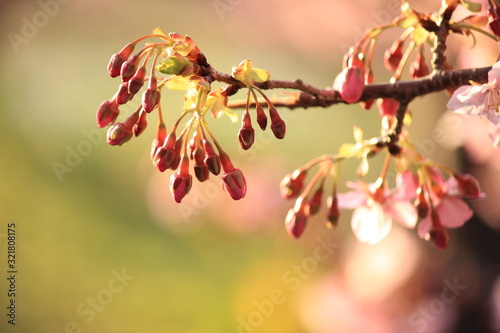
{"points": [[107, 113], [278, 126], [261, 117], [118, 134], [165, 155], [177, 153], [314, 204], [117, 59], [234, 183], [293, 183], [140, 125], [296, 219], [180, 185], [137, 81], [246, 134], [123, 95], [212, 160], [129, 68]]}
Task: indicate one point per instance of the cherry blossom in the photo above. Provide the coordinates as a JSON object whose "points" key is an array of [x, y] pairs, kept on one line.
{"points": [[375, 208], [481, 100]]}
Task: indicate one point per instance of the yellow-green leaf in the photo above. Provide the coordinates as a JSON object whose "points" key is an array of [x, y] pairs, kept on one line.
{"points": [[472, 6], [420, 35], [260, 75], [178, 83]]}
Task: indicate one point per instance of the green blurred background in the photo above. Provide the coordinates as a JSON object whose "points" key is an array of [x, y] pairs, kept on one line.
{"points": [[210, 264]]}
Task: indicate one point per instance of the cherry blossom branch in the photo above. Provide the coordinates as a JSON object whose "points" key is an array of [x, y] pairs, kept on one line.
{"points": [[311, 96]]}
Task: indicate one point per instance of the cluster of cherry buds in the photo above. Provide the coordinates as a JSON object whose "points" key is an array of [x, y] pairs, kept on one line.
{"points": [[184, 68], [424, 191], [419, 30]]}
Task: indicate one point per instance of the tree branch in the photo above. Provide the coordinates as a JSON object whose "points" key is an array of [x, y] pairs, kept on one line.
{"points": [[311, 96]]}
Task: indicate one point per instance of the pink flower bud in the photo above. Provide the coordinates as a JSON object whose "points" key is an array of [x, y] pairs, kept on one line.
{"points": [[137, 81], [177, 153], [261, 117], [165, 155], [212, 160], [121, 133], [296, 219], [161, 134], [141, 124], [234, 183], [117, 59], [107, 113], [293, 183], [200, 169], [387, 107], [151, 97], [393, 56], [129, 68], [350, 83], [278, 126], [118, 134], [180, 185], [123, 95], [246, 134], [314, 204]]}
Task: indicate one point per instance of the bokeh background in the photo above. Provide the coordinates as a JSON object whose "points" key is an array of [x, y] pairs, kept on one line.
{"points": [[102, 248]]}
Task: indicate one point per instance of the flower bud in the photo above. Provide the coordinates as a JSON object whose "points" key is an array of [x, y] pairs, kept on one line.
{"points": [[440, 237], [141, 124], [118, 134], [180, 185], [117, 59], [234, 183], [393, 56], [212, 160], [129, 68], [137, 81], [350, 84], [261, 117], [200, 169], [293, 183], [296, 219], [246, 134], [151, 97], [107, 113], [123, 95], [314, 204], [177, 153], [278, 126], [387, 107], [161, 134], [165, 155]]}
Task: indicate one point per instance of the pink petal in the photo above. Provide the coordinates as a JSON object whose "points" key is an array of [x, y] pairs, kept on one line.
{"points": [[494, 75], [370, 224], [402, 212], [469, 99], [425, 226], [453, 212], [494, 132], [351, 199], [406, 185]]}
